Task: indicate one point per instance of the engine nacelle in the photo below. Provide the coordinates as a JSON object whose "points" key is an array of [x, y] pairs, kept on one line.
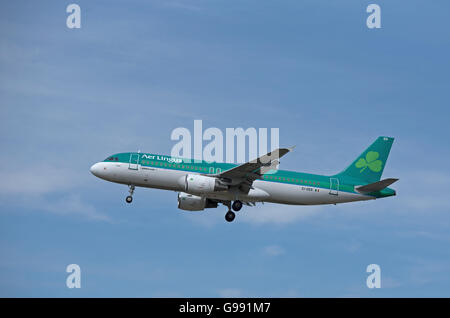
{"points": [[195, 183], [190, 202]]}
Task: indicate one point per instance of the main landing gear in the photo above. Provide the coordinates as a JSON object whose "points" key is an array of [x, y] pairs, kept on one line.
{"points": [[237, 205], [129, 198], [230, 216]]}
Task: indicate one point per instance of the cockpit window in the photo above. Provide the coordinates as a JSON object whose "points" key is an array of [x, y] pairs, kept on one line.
{"points": [[112, 158]]}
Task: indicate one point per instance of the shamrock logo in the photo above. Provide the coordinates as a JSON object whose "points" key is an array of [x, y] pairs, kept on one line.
{"points": [[370, 161]]}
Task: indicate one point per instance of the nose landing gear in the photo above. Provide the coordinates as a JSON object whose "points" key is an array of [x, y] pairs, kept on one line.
{"points": [[129, 198]]}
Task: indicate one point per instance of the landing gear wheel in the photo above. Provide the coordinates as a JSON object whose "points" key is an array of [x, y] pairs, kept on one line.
{"points": [[230, 216], [237, 205], [129, 198]]}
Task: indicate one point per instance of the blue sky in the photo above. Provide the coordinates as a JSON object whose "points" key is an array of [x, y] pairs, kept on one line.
{"points": [[138, 69]]}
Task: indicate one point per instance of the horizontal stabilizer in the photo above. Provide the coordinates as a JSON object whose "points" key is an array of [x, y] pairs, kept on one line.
{"points": [[376, 186]]}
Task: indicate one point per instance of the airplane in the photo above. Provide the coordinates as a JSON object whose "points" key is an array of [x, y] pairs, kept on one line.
{"points": [[202, 185]]}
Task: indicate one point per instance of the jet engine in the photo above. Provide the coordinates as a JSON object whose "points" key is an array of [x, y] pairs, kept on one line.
{"points": [[190, 202], [198, 184]]}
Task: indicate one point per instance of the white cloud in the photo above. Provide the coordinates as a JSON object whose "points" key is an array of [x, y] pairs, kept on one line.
{"points": [[260, 214], [291, 293], [36, 180], [426, 203], [46, 188], [425, 271], [424, 191], [274, 250], [207, 218], [277, 214], [429, 177], [425, 235], [72, 204], [353, 246], [229, 292], [389, 282], [267, 213], [181, 5]]}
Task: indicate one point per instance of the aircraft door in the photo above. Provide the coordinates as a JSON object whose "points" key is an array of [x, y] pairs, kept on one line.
{"points": [[334, 186], [134, 161]]}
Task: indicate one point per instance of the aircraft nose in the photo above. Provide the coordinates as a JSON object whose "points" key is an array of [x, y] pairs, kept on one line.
{"points": [[95, 169]]}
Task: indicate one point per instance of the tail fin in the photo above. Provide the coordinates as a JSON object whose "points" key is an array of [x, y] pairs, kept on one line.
{"points": [[369, 165]]}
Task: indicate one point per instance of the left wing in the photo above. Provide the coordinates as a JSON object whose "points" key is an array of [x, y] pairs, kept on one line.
{"points": [[253, 170]]}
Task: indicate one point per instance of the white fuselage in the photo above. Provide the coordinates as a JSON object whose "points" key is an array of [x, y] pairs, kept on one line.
{"points": [[263, 191]]}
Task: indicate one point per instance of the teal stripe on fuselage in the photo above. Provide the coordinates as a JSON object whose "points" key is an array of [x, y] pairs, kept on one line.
{"points": [[204, 167]]}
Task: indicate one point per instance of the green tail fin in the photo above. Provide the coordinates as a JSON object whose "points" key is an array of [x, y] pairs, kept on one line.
{"points": [[369, 165]]}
